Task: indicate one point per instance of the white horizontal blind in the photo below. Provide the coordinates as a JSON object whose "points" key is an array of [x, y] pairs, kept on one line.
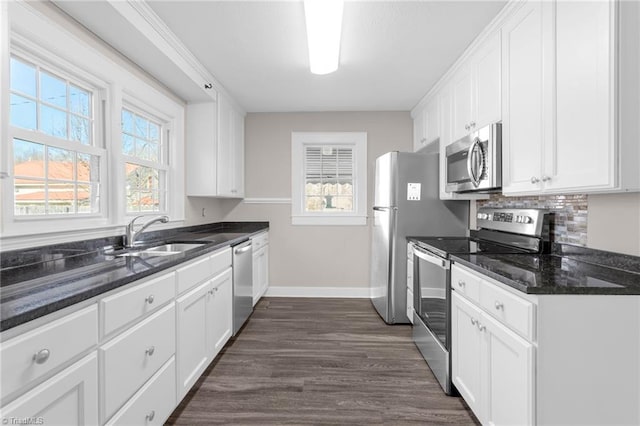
{"points": [[329, 178]]}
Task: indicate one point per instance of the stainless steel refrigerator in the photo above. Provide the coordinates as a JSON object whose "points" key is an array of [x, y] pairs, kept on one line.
{"points": [[406, 203]]}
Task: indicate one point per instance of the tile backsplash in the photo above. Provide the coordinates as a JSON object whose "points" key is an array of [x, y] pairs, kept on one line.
{"points": [[570, 219]]}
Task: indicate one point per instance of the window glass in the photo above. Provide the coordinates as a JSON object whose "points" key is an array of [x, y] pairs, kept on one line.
{"points": [[53, 174], [328, 179]]}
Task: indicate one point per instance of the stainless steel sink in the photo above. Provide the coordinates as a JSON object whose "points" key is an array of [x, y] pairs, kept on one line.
{"points": [[163, 250]]}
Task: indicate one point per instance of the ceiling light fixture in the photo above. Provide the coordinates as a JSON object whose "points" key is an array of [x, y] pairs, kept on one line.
{"points": [[324, 25]]}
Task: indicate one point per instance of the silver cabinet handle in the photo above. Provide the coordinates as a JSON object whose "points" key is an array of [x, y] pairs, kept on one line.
{"points": [[466, 127], [534, 179], [472, 124], [41, 356], [474, 321], [461, 283], [149, 299], [242, 250], [481, 327], [151, 415], [233, 191], [545, 178], [150, 350], [499, 305]]}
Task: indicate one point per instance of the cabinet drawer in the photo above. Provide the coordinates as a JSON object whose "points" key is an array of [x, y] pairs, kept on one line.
{"points": [[260, 240], [220, 261], [152, 404], [132, 358], [194, 273], [129, 305], [30, 356], [515, 312], [465, 283]]}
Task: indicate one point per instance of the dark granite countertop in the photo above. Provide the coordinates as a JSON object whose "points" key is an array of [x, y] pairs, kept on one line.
{"points": [[566, 270], [38, 281]]}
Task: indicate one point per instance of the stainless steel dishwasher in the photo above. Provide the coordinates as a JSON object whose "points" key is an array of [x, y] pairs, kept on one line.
{"points": [[242, 284]]}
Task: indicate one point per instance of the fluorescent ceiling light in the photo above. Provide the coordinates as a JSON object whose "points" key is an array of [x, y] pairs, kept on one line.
{"points": [[324, 25]]}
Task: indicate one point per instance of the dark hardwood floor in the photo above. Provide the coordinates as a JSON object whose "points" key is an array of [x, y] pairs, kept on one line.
{"points": [[319, 361]]}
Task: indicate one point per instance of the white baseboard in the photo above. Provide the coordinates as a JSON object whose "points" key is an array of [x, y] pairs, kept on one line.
{"points": [[346, 292]]}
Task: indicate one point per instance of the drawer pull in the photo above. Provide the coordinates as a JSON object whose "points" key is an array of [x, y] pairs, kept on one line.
{"points": [[150, 350], [41, 356], [151, 415], [461, 283], [474, 321], [499, 305], [481, 327], [149, 299]]}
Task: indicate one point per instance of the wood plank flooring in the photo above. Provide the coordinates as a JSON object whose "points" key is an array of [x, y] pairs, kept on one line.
{"points": [[319, 361]]}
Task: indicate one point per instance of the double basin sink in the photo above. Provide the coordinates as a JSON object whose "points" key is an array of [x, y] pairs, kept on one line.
{"points": [[168, 249]]}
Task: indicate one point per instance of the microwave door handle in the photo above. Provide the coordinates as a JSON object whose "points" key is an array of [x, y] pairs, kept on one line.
{"points": [[472, 163]]}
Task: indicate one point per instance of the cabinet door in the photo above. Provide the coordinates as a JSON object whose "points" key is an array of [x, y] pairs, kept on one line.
{"points": [[508, 376], [260, 273], [201, 149], [461, 111], [419, 130], [487, 103], [582, 155], [193, 348], [219, 313], [68, 398], [466, 360], [525, 97], [230, 158], [225, 153], [432, 131]]}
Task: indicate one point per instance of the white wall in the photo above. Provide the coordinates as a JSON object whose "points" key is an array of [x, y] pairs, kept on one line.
{"points": [[305, 256]]}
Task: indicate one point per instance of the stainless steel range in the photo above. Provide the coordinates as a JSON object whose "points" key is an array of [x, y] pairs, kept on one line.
{"points": [[517, 231]]}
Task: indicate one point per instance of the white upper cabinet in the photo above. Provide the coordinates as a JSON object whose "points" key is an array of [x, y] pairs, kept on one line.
{"points": [[230, 150], [215, 150], [567, 114], [426, 124], [525, 84], [476, 89]]}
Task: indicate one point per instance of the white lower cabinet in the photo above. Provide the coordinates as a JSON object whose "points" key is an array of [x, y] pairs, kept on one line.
{"points": [[68, 398], [153, 403], [204, 321], [520, 359], [260, 265], [131, 359], [492, 366]]}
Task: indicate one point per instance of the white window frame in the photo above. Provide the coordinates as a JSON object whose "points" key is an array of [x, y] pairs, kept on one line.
{"points": [[355, 140], [45, 34], [29, 52], [141, 109]]}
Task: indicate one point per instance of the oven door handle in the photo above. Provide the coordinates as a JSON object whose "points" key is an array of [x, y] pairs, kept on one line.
{"points": [[421, 254]]}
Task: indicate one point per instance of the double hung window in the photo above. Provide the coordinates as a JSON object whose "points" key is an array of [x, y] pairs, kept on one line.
{"points": [[144, 140], [329, 181], [56, 158]]}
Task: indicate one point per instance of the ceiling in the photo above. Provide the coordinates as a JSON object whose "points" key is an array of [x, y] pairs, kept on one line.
{"points": [[392, 52]]}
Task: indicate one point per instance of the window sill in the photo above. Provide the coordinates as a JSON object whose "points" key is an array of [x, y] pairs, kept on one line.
{"points": [[329, 220]]}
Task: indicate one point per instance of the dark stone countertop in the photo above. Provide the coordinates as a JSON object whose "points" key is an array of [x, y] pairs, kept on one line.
{"points": [[566, 270], [38, 281]]}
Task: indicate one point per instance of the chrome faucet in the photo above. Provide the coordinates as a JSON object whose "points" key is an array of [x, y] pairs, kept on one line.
{"points": [[131, 233]]}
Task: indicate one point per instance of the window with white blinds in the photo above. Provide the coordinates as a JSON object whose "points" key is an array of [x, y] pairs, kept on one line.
{"points": [[329, 178]]}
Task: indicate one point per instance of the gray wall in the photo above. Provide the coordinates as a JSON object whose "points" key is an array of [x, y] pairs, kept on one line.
{"points": [[613, 223], [305, 256]]}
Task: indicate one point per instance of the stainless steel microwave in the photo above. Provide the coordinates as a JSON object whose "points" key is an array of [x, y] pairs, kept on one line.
{"points": [[474, 163]]}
